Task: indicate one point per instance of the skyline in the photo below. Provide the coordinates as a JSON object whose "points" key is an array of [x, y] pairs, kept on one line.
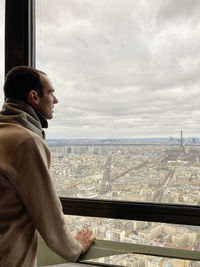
{"points": [[121, 70]]}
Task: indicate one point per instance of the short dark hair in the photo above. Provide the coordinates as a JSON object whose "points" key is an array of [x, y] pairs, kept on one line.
{"points": [[21, 80]]}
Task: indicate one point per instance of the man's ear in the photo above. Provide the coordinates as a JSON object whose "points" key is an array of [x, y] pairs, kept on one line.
{"points": [[33, 98]]}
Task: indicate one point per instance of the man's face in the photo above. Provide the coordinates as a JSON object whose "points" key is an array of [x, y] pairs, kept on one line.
{"points": [[46, 102]]}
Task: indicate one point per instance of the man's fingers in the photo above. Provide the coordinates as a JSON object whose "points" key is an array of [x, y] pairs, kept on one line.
{"points": [[86, 238]]}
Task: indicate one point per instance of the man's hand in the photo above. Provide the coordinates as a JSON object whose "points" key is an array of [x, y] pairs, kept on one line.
{"points": [[86, 238]]}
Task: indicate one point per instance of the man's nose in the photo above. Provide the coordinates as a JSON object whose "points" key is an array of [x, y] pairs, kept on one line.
{"points": [[55, 101]]}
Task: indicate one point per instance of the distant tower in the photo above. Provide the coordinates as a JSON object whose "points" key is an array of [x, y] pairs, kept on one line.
{"points": [[106, 183], [181, 145]]}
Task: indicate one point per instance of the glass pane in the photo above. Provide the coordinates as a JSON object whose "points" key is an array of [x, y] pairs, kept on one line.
{"points": [[137, 260], [126, 74], [136, 172], [2, 53]]}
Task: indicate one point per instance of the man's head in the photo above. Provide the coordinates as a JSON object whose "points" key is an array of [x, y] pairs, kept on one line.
{"points": [[31, 86]]}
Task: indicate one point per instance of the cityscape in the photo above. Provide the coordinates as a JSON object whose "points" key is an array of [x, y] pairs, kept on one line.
{"points": [[160, 170]]}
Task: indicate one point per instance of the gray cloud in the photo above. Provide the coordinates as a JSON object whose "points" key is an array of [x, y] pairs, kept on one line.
{"points": [[121, 68]]}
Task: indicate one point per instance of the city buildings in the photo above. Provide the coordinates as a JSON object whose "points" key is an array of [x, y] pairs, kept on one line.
{"points": [[162, 171]]}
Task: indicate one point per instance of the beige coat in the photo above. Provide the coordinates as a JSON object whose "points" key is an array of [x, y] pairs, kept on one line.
{"points": [[28, 200]]}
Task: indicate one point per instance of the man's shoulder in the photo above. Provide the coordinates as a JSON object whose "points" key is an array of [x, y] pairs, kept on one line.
{"points": [[19, 143], [17, 133]]}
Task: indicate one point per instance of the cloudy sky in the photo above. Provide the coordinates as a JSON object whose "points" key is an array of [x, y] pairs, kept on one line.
{"points": [[121, 68]]}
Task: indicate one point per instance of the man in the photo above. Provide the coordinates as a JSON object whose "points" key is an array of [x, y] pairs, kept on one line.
{"points": [[28, 200]]}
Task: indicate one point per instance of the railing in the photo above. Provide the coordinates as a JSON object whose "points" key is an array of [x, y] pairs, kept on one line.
{"points": [[103, 248]]}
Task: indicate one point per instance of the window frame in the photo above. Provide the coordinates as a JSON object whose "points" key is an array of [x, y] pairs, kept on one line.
{"points": [[133, 210], [19, 33]]}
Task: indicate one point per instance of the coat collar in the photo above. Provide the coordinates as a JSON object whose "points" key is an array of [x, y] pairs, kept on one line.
{"points": [[19, 112]]}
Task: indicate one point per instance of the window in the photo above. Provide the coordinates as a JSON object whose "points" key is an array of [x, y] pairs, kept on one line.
{"points": [[127, 79], [2, 23], [127, 123]]}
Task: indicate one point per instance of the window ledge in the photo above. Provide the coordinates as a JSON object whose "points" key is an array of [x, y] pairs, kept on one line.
{"points": [[103, 248]]}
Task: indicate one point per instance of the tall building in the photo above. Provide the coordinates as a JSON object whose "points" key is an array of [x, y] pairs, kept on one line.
{"points": [[106, 183], [181, 144]]}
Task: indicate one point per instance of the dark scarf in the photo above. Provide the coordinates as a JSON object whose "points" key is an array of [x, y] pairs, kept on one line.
{"points": [[19, 112]]}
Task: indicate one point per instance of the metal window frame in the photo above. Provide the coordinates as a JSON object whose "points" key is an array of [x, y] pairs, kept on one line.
{"points": [[19, 33], [127, 210]]}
